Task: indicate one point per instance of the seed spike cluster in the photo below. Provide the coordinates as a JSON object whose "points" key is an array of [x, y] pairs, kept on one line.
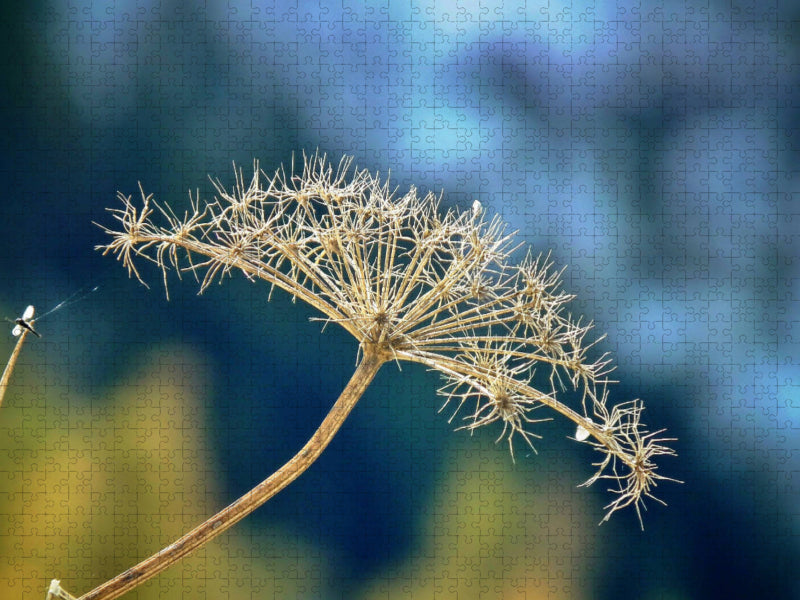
{"points": [[412, 284]]}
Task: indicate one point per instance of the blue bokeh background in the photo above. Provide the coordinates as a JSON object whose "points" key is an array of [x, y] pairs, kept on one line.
{"points": [[653, 150]]}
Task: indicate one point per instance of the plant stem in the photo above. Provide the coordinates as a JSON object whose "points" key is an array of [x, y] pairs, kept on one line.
{"points": [[10, 365], [227, 517]]}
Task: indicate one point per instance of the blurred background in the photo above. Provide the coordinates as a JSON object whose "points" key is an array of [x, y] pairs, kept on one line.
{"points": [[653, 151]]}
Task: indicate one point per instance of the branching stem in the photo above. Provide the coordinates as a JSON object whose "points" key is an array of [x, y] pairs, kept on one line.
{"points": [[232, 514]]}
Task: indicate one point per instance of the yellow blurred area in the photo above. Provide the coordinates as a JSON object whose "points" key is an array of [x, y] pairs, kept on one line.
{"points": [[493, 533], [89, 487]]}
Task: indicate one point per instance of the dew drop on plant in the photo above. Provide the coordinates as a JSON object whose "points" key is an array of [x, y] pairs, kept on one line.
{"points": [[582, 434]]}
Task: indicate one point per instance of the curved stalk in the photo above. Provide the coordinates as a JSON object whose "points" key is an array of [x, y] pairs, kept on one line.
{"points": [[235, 512]]}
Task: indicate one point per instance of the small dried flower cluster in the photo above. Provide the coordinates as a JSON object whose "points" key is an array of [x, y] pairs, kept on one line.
{"points": [[410, 284]]}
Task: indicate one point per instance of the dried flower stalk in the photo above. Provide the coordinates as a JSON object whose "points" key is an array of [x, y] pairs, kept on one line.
{"points": [[410, 284], [12, 361]]}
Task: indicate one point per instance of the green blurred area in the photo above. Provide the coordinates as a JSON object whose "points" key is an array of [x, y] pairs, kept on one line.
{"points": [[91, 486], [491, 533]]}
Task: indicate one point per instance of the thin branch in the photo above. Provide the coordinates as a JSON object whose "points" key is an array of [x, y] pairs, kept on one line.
{"points": [[12, 361], [232, 514]]}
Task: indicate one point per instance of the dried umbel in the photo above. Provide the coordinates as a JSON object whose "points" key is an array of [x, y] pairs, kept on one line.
{"points": [[410, 283]]}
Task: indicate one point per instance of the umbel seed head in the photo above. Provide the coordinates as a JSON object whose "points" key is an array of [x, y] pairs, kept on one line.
{"points": [[411, 283]]}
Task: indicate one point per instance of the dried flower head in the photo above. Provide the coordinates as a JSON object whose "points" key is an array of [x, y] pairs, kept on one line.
{"points": [[410, 283]]}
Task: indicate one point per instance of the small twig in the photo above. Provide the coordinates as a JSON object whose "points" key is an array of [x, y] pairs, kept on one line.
{"points": [[10, 366], [56, 592]]}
